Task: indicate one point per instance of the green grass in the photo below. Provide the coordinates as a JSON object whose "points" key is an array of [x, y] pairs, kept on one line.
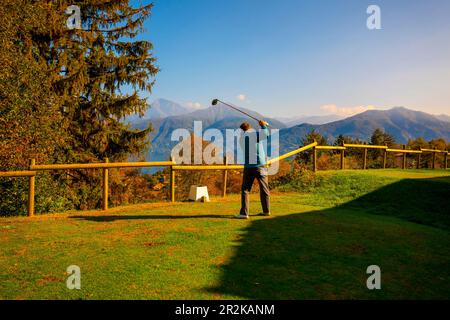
{"points": [[317, 245]]}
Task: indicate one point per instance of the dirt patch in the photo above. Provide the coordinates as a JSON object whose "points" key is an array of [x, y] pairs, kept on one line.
{"points": [[354, 249], [220, 261], [154, 243], [152, 232], [171, 250], [133, 286], [48, 279], [65, 244], [131, 234], [21, 252], [7, 229]]}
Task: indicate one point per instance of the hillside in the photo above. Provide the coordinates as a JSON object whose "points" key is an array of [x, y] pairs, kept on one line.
{"points": [[444, 117], [316, 245], [218, 117], [400, 122], [159, 109], [295, 121]]}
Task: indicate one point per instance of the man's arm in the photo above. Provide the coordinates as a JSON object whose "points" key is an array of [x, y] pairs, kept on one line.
{"points": [[265, 126]]}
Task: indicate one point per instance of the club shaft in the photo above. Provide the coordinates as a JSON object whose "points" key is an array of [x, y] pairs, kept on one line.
{"points": [[238, 110]]}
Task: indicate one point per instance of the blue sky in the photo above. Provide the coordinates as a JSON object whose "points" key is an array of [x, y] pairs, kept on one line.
{"points": [[291, 57]]}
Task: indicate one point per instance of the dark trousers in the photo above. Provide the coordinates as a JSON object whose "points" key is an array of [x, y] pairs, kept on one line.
{"points": [[250, 174]]}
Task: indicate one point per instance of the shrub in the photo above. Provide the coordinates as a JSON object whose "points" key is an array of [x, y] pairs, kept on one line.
{"points": [[300, 178]]}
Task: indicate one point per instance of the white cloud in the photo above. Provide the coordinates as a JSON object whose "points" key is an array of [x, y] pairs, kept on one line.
{"points": [[241, 97], [194, 105], [345, 111]]}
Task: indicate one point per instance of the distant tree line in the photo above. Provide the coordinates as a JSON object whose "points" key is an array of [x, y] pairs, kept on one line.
{"points": [[330, 159]]}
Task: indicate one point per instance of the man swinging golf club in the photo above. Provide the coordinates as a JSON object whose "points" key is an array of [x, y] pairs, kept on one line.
{"points": [[252, 144]]}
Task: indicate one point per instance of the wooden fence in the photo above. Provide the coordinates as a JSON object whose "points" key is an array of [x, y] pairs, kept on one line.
{"points": [[105, 166]]}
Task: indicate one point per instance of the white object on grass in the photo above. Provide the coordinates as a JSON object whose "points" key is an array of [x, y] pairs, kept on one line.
{"points": [[197, 193]]}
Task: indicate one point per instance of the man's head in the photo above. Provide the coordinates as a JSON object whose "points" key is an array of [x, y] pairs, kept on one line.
{"points": [[245, 126]]}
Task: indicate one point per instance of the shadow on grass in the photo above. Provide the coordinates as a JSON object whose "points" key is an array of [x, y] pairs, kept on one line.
{"points": [[424, 201], [324, 254], [109, 218], [404, 228]]}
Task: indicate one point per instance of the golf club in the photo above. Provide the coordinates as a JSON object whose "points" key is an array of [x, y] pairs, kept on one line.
{"points": [[215, 101]]}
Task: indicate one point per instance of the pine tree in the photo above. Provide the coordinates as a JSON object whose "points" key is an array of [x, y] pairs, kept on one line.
{"points": [[381, 138], [313, 135], [27, 113], [97, 63], [30, 117], [64, 92]]}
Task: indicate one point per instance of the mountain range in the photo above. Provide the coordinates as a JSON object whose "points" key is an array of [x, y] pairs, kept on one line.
{"points": [[219, 117], [400, 122], [294, 121], [403, 124], [160, 109]]}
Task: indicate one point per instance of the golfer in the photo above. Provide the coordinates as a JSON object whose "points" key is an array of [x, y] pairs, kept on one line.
{"points": [[252, 144]]}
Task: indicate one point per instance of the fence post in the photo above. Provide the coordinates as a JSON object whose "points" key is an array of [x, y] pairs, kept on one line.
{"points": [[419, 158], [225, 177], [314, 162], [105, 186], [434, 159], [172, 182], [404, 158], [384, 158], [31, 183], [342, 159], [445, 160], [365, 159]]}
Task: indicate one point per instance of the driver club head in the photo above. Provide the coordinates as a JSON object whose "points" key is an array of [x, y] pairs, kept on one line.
{"points": [[214, 102]]}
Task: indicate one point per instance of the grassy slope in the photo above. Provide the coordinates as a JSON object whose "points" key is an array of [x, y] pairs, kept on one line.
{"points": [[316, 245]]}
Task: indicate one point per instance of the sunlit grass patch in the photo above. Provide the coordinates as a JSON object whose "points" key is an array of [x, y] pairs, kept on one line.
{"points": [[317, 244]]}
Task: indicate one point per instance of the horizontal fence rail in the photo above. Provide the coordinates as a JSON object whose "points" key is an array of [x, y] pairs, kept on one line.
{"points": [[434, 150], [105, 166], [209, 167], [16, 174], [365, 146], [101, 165], [330, 148], [403, 151]]}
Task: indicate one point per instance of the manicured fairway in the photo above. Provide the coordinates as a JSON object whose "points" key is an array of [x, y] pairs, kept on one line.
{"points": [[317, 245]]}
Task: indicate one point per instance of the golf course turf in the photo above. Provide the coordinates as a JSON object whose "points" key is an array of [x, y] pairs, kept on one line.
{"points": [[316, 245]]}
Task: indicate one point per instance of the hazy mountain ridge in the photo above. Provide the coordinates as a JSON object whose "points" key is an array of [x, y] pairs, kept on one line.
{"points": [[400, 122], [218, 117], [444, 117], [290, 122], [160, 109]]}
